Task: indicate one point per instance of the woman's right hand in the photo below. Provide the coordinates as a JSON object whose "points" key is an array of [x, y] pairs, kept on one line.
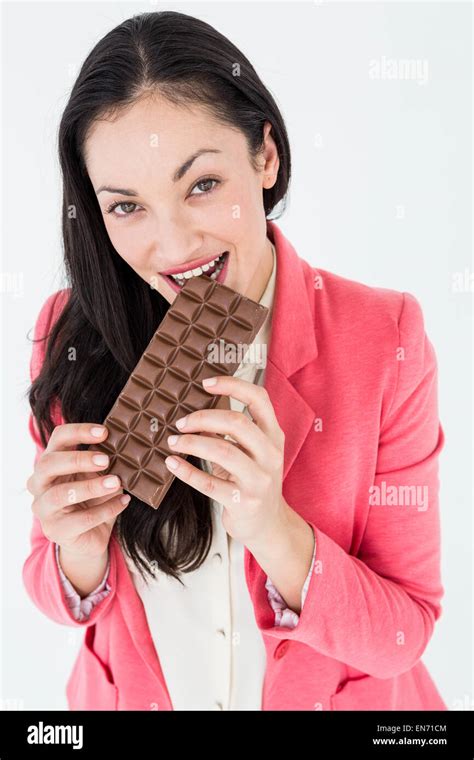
{"points": [[75, 507]]}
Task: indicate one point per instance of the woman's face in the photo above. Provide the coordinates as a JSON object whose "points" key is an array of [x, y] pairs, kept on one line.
{"points": [[169, 206]]}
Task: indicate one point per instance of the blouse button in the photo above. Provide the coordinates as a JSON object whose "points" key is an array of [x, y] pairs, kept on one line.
{"points": [[281, 649], [217, 558], [221, 632], [217, 706]]}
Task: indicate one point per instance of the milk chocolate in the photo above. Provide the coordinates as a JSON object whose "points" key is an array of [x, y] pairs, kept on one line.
{"points": [[205, 332]]}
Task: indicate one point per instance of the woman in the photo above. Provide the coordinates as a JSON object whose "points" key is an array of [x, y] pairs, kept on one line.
{"points": [[319, 586]]}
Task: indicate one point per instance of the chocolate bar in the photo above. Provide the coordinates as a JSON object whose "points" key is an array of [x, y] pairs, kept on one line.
{"points": [[202, 335]]}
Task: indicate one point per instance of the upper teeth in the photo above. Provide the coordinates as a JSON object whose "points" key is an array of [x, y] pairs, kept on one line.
{"points": [[179, 278]]}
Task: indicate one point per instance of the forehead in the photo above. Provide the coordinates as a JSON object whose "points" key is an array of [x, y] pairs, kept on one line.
{"points": [[154, 133]]}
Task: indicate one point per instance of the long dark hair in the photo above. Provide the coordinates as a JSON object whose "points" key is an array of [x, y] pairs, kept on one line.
{"points": [[111, 313]]}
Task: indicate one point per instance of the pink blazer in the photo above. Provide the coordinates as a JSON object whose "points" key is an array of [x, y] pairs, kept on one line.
{"points": [[353, 380]]}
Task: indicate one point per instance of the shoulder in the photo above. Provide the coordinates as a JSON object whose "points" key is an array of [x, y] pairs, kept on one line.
{"points": [[372, 335], [47, 316], [351, 306], [374, 338], [50, 311]]}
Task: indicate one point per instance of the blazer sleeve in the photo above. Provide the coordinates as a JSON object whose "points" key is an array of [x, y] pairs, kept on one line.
{"points": [[40, 572], [376, 611]]}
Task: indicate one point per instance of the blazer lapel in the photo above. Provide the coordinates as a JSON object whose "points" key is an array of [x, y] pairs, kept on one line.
{"points": [[294, 414], [134, 615], [292, 345]]}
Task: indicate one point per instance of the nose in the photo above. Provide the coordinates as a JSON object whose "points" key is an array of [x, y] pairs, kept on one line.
{"points": [[176, 237], [173, 245]]}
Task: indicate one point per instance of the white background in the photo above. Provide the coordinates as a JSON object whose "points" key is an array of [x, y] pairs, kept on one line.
{"points": [[380, 193]]}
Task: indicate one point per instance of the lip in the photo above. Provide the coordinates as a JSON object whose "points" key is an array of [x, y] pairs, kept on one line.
{"points": [[221, 277], [192, 264]]}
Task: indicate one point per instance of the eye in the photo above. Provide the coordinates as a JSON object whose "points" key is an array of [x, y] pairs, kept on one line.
{"points": [[126, 206], [115, 205], [206, 181]]}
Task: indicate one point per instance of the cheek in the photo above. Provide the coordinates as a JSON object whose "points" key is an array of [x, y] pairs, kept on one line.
{"points": [[239, 220], [129, 245], [246, 209]]}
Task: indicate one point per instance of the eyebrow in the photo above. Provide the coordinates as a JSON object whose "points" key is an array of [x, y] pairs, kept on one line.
{"points": [[179, 174]]}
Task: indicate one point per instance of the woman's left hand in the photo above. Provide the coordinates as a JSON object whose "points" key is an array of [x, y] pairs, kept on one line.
{"points": [[250, 469]]}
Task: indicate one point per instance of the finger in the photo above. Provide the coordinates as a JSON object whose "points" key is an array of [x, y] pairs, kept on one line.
{"points": [[64, 438], [232, 423], [91, 502], [73, 492], [73, 433], [73, 524], [222, 491], [53, 464], [217, 450], [255, 397]]}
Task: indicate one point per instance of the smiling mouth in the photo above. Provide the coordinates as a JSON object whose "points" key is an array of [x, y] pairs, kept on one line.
{"points": [[212, 270]]}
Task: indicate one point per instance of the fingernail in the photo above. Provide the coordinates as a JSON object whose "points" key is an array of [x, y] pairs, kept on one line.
{"points": [[112, 482], [125, 498], [171, 462], [172, 439], [181, 422], [101, 459], [209, 381], [98, 432]]}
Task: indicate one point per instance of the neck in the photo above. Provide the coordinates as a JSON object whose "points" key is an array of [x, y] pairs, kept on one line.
{"points": [[258, 286]]}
